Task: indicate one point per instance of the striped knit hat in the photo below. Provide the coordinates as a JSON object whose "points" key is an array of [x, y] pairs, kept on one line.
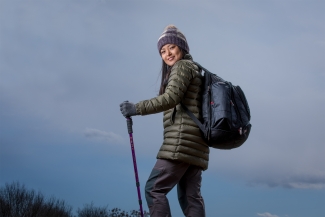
{"points": [[172, 35]]}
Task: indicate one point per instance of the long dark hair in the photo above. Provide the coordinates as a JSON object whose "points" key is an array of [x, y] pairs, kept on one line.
{"points": [[165, 71]]}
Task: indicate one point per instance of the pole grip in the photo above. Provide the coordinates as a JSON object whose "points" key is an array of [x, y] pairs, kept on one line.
{"points": [[129, 123]]}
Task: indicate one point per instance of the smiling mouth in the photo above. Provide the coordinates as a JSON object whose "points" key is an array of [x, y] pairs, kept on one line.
{"points": [[170, 59]]}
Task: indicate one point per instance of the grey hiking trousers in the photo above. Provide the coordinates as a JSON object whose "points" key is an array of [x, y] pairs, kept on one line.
{"points": [[164, 176]]}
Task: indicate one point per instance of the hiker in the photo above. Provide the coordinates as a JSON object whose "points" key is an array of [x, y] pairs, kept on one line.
{"points": [[183, 154]]}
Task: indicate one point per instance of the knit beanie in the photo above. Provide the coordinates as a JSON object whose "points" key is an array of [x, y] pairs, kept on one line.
{"points": [[172, 35]]}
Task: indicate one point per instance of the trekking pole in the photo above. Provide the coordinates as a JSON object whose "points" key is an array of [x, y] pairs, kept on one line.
{"points": [[129, 124]]}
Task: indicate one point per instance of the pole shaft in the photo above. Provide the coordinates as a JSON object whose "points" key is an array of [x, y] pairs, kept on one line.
{"points": [[129, 124]]}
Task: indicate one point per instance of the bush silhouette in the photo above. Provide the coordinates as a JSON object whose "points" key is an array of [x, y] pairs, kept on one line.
{"points": [[89, 210], [16, 200]]}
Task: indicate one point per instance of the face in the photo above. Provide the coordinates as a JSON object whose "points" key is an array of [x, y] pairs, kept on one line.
{"points": [[171, 53]]}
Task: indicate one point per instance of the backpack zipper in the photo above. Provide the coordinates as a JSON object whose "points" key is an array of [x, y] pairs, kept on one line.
{"points": [[209, 105], [243, 99], [235, 106]]}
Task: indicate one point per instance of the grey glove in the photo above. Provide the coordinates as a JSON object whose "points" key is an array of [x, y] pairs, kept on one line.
{"points": [[128, 109]]}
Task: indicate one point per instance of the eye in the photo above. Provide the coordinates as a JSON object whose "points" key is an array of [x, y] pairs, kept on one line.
{"points": [[161, 52]]}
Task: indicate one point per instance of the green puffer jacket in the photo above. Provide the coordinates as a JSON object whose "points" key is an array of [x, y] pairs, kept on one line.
{"points": [[182, 137]]}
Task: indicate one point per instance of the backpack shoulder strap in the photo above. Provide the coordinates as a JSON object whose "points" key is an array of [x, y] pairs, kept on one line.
{"points": [[201, 67], [207, 75], [200, 125]]}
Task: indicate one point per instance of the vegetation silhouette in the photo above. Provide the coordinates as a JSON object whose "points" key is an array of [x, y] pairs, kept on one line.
{"points": [[17, 201], [89, 210]]}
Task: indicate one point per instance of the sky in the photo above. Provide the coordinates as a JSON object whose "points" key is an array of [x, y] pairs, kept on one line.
{"points": [[65, 66]]}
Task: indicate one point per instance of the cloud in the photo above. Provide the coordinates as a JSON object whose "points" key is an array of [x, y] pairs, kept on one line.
{"points": [[266, 214], [103, 136], [306, 181]]}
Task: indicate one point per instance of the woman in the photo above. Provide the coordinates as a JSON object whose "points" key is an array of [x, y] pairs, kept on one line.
{"points": [[183, 154]]}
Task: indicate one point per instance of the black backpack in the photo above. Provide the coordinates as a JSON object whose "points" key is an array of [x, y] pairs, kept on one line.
{"points": [[225, 113]]}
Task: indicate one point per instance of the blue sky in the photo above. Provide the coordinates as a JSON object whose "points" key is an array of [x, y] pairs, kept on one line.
{"points": [[65, 66]]}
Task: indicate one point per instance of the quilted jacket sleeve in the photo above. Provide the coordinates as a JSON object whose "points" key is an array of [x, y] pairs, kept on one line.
{"points": [[178, 82]]}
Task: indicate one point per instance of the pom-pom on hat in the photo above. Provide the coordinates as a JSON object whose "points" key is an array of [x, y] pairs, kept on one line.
{"points": [[172, 35]]}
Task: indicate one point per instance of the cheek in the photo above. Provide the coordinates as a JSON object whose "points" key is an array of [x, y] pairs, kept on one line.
{"points": [[179, 56], [163, 57]]}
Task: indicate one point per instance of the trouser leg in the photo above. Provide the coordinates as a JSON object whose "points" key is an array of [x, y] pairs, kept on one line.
{"points": [[164, 176], [189, 193]]}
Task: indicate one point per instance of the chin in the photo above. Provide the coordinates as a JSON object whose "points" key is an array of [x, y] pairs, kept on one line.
{"points": [[171, 63]]}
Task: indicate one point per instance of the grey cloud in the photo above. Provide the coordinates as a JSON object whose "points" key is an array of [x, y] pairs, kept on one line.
{"points": [[299, 182], [266, 214], [102, 135]]}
